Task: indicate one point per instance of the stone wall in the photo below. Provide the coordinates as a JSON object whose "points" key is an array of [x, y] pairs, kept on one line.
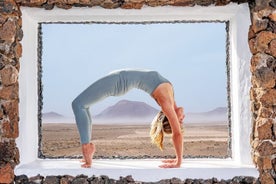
{"points": [[83, 179], [262, 43], [126, 4], [10, 52]]}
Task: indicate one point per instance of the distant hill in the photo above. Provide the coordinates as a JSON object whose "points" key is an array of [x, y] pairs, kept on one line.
{"points": [[217, 115], [217, 111], [127, 111], [53, 117]]}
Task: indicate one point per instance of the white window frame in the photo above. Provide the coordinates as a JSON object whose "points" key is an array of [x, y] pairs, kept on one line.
{"points": [[241, 161]]}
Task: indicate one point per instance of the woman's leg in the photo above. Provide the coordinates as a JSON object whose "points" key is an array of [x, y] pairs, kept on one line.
{"points": [[83, 119], [96, 92], [99, 90]]}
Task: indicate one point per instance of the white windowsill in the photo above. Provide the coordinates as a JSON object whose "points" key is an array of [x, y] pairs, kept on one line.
{"points": [[141, 170]]}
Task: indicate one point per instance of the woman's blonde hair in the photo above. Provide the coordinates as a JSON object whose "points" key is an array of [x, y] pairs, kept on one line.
{"points": [[159, 126]]}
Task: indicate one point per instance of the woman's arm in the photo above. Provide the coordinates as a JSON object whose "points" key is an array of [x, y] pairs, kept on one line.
{"points": [[165, 98], [177, 136]]}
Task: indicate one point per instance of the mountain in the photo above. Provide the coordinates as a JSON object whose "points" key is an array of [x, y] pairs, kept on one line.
{"points": [[217, 111], [217, 115], [51, 115], [127, 111]]}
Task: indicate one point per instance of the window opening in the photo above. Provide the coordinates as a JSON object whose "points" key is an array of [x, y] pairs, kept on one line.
{"points": [[192, 55]]}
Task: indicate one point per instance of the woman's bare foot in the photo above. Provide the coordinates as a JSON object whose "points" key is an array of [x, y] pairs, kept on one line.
{"points": [[88, 151], [169, 161]]}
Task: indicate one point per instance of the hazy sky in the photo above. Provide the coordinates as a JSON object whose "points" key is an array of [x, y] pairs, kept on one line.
{"points": [[191, 55]]}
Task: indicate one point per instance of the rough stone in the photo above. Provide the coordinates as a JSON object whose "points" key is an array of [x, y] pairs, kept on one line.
{"points": [[258, 24], [111, 4], [18, 50], [5, 47], [264, 128], [272, 16], [19, 34], [33, 3], [204, 2], [9, 75], [250, 180], [265, 112], [271, 63], [274, 164], [251, 33], [9, 130], [6, 174], [56, 2], [274, 129], [96, 2], [9, 92], [130, 4], [272, 47], [263, 39], [268, 98], [21, 179], [80, 181], [273, 4], [48, 6], [95, 180], [271, 26], [188, 181], [10, 109], [264, 163], [264, 13], [51, 180], [8, 7], [64, 6], [67, 179], [222, 2], [252, 46], [8, 153], [265, 148], [36, 179], [165, 181], [8, 31], [73, 2], [237, 179], [175, 181], [266, 178], [104, 179], [260, 60], [4, 60], [85, 2], [182, 3], [261, 4], [264, 78], [1, 114]]}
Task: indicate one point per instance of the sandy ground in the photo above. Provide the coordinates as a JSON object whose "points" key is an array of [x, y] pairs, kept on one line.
{"points": [[133, 140]]}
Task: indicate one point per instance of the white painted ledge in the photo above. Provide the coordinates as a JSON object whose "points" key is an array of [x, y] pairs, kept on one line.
{"points": [[141, 170]]}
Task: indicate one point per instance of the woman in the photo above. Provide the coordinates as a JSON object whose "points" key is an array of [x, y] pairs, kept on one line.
{"points": [[118, 83]]}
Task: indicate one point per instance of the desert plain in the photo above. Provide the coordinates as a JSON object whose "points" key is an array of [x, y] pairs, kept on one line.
{"points": [[124, 141]]}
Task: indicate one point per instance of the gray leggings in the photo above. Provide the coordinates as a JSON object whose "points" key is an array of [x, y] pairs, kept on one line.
{"points": [[115, 84], [94, 93]]}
